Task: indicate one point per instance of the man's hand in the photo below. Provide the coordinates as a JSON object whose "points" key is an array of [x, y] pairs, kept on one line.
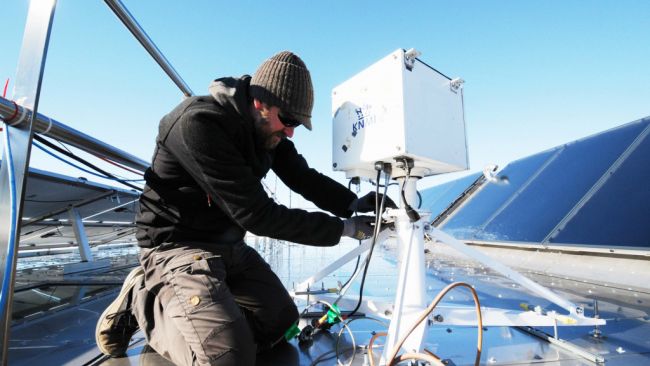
{"points": [[359, 227], [367, 203]]}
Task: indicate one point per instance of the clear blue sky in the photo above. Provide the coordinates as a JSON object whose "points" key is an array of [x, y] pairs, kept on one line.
{"points": [[538, 73]]}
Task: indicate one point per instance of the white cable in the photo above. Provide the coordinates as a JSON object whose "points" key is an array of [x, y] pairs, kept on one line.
{"points": [[354, 345], [49, 126], [346, 325]]}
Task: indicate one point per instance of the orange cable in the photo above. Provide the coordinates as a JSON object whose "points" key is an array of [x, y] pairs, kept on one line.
{"points": [[372, 340], [425, 314]]}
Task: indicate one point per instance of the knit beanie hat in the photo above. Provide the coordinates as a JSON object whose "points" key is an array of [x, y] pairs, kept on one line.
{"points": [[283, 81]]}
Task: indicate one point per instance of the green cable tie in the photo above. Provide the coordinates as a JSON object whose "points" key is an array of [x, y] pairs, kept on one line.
{"points": [[333, 314], [292, 332]]}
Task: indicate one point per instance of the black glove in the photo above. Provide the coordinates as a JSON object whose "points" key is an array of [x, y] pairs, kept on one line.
{"points": [[367, 203], [359, 227]]}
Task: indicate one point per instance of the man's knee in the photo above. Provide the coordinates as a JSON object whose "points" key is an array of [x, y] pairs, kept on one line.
{"points": [[286, 317], [231, 345]]}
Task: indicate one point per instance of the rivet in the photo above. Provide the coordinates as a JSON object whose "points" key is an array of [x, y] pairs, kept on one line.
{"points": [[195, 300]]}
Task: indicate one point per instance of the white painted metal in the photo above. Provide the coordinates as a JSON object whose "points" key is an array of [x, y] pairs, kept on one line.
{"points": [[459, 315], [616, 270], [365, 245], [410, 296], [387, 111], [513, 275], [466, 315]]}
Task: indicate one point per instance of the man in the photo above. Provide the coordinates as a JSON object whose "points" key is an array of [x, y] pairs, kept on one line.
{"points": [[201, 295]]}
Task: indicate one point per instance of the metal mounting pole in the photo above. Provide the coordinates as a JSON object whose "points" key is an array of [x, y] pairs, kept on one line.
{"points": [[129, 21], [29, 75], [80, 235], [410, 297], [52, 128]]}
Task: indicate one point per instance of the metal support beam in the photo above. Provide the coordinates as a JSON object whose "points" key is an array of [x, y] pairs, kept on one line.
{"points": [[29, 75], [129, 21], [508, 272], [78, 295], [410, 295], [61, 224], [49, 127], [565, 345], [75, 282], [85, 218], [80, 235], [64, 209]]}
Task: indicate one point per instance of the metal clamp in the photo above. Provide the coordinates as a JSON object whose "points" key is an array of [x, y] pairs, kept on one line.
{"points": [[409, 58]]}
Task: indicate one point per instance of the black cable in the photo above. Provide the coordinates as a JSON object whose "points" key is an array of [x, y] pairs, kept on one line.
{"points": [[410, 212], [378, 208], [55, 201], [381, 185], [84, 162], [356, 181], [356, 266]]}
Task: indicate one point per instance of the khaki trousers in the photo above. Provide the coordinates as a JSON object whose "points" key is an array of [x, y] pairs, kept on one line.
{"points": [[210, 304]]}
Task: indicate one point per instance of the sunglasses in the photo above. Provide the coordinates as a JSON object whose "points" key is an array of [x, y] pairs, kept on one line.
{"points": [[289, 122]]}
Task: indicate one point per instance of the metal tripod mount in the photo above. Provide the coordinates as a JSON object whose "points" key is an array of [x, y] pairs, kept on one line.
{"points": [[410, 297]]}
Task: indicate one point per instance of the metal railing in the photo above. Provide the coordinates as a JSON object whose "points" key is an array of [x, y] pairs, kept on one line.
{"points": [[120, 10], [49, 127], [22, 120]]}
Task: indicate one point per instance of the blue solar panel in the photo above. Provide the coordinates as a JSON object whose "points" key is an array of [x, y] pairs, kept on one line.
{"points": [[619, 213], [561, 185], [437, 199], [535, 211], [483, 204]]}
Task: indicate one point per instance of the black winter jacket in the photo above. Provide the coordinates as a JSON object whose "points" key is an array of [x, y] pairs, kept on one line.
{"points": [[204, 183]]}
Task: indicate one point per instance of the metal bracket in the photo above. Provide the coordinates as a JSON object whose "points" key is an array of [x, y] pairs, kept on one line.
{"points": [[409, 58], [565, 345], [456, 84]]}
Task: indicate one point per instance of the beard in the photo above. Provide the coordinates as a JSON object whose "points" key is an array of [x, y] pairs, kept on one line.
{"points": [[264, 136]]}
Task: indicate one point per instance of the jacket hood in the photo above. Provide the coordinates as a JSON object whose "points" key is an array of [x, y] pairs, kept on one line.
{"points": [[233, 93]]}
